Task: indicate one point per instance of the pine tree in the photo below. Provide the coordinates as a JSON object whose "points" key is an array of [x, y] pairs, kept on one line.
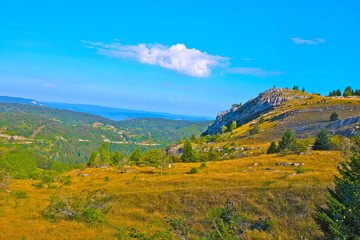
{"points": [[295, 88], [272, 148], [303, 89], [188, 154], [348, 92], [135, 156], [287, 142], [92, 159], [322, 141], [341, 218], [104, 152]]}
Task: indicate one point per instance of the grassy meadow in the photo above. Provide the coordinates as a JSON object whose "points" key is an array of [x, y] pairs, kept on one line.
{"points": [[170, 203]]}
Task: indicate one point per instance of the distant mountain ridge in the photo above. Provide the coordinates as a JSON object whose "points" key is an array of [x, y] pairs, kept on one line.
{"points": [[6, 99], [116, 114]]}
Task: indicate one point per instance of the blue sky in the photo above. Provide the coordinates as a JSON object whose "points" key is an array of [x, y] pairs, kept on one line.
{"points": [[185, 57]]}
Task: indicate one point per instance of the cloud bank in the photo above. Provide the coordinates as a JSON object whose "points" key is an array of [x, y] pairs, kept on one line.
{"points": [[177, 57], [258, 72], [315, 41]]}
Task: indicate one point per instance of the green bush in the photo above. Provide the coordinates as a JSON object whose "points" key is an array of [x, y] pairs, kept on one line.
{"points": [[18, 196], [194, 170], [88, 206]]}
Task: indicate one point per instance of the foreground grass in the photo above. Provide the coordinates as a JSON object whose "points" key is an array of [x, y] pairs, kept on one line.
{"points": [[147, 199]]}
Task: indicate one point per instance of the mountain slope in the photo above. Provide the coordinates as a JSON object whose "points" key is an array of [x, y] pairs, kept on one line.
{"points": [[283, 109], [70, 137]]}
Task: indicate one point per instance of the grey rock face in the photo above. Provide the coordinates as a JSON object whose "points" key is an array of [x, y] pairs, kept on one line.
{"points": [[252, 109]]}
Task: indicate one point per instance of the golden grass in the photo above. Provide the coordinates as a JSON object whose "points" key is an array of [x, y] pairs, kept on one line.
{"points": [[145, 196]]}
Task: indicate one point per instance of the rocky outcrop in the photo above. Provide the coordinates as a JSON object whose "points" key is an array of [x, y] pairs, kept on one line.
{"points": [[252, 109], [345, 127]]}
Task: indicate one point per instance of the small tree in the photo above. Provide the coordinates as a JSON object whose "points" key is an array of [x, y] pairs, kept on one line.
{"points": [[287, 142], [322, 141], [93, 159], [272, 148], [262, 119], [341, 218], [104, 152], [224, 129], [348, 91], [236, 105], [303, 89], [188, 154], [295, 88], [334, 116], [233, 126], [135, 156]]}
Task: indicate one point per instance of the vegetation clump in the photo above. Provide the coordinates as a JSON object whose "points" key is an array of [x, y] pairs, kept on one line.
{"points": [[273, 148], [88, 206], [322, 141], [287, 142], [188, 154], [334, 116], [341, 218]]}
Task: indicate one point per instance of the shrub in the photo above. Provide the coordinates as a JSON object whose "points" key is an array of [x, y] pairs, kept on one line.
{"points": [[89, 207], [194, 170], [300, 169], [272, 148], [334, 116], [203, 165], [18, 196]]}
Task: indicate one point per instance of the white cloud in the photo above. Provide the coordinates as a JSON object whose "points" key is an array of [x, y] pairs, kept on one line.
{"points": [[315, 41], [258, 72], [177, 57], [47, 85]]}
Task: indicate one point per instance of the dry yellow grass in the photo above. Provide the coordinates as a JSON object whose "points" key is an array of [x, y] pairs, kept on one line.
{"points": [[146, 196]]}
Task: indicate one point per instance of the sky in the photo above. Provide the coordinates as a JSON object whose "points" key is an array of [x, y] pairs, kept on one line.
{"points": [[185, 57]]}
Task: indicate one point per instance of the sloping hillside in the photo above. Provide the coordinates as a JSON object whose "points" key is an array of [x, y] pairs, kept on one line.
{"points": [[70, 137], [283, 109]]}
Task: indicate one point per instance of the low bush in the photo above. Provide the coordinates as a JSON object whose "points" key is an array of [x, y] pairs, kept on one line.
{"points": [[88, 206]]}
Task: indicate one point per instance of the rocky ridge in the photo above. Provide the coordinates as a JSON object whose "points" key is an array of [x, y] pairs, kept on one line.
{"points": [[252, 109]]}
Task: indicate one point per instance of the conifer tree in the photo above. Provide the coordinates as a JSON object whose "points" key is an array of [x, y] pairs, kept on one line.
{"points": [[303, 89], [287, 142], [341, 218], [348, 91], [135, 156], [104, 152], [334, 116], [188, 154], [92, 159], [322, 141], [272, 148]]}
